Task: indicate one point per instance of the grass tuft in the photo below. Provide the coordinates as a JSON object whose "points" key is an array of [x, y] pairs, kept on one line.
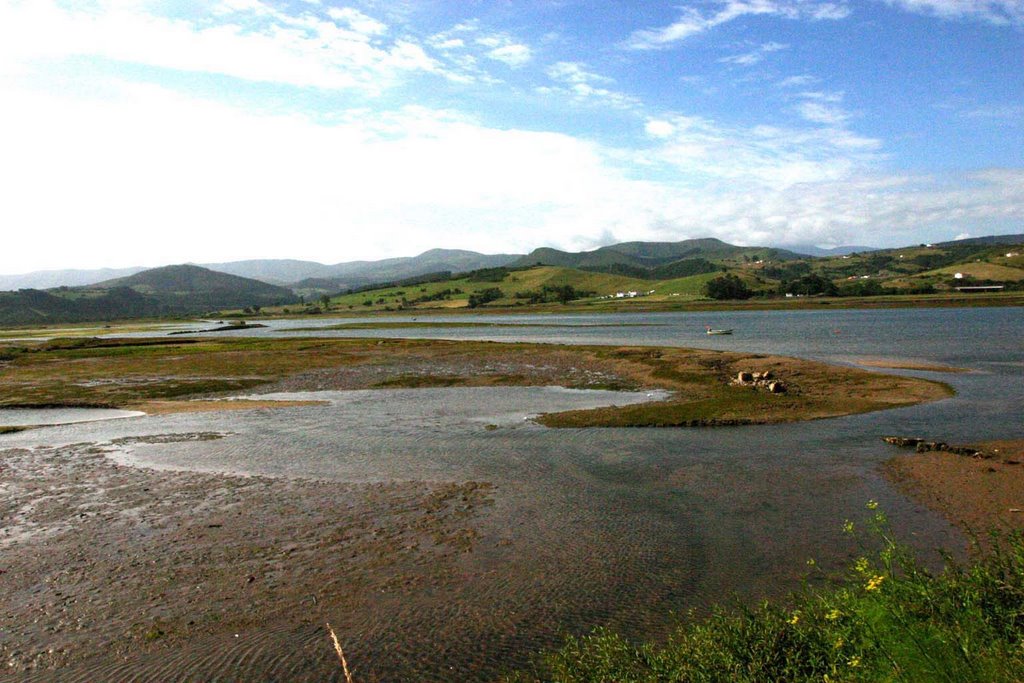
{"points": [[341, 653]]}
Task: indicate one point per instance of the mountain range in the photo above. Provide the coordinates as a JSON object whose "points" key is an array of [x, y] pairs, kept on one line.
{"points": [[287, 272], [310, 278], [195, 290]]}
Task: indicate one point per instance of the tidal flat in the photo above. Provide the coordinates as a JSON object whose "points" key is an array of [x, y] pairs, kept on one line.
{"points": [[403, 497]]}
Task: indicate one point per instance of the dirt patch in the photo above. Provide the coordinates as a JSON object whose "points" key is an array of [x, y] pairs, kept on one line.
{"points": [[975, 493]]}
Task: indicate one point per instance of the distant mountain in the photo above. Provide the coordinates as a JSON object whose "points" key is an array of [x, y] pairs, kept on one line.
{"points": [[811, 250], [356, 274], [171, 290], [45, 279], [193, 289], [630, 256], [329, 278], [991, 239], [274, 271]]}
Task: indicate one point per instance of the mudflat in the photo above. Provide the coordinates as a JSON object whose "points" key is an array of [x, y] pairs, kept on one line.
{"points": [[978, 494]]}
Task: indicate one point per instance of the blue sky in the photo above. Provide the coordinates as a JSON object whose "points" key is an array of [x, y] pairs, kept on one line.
{"points": [[140, 132]]}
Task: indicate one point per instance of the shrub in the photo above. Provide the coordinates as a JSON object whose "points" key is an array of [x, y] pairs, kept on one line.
{"points": [[888, 619]]}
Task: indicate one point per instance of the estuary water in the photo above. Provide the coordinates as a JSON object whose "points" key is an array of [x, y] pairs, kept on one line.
{"points": [[617, 527]]}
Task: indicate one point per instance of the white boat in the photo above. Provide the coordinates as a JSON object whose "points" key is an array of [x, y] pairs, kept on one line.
{"points": [[711, 330]]}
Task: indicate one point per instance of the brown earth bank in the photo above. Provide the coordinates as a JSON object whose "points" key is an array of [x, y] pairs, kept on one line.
{"points": [[978, 493], [705, 391]]}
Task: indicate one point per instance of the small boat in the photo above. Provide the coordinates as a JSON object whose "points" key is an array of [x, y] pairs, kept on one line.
{"points": [[711, 330]]}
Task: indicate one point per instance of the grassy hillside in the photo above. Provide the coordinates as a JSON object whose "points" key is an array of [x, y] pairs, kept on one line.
{"points": [[878, 275], [516, 289], [653, 255]]}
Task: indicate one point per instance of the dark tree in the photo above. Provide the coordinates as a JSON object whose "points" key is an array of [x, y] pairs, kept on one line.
{"points": [[727, 287]]}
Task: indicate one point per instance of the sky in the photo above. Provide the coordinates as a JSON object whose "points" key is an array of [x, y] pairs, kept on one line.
{"points": [[150, 132]]}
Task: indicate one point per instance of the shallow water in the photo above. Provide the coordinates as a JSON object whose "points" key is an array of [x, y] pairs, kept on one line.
{"points": [[27, 417], [619, 527]]}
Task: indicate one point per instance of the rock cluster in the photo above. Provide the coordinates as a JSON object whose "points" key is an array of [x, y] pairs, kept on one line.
{"points": [[924, 446], [762, 380]]}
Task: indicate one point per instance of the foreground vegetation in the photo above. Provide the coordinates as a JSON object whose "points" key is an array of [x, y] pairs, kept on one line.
{"points": [[887, 619]]}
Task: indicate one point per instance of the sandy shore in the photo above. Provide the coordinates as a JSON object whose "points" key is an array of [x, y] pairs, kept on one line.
{"points": [[975, 493], [907, 364]]}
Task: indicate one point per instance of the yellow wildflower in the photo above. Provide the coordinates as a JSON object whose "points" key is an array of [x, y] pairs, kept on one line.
{"points": [[854, 661], [811, 562], [833, 615], [794, 619], [861, 565], [872, 504], [848, 527], [875, 582]]}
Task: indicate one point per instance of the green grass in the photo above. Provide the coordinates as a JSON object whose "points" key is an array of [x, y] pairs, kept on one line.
{"points": [[886, 619], [980, 270]]}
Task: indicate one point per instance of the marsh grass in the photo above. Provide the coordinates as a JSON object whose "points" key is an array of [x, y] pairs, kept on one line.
{"points": [[887, 619]]}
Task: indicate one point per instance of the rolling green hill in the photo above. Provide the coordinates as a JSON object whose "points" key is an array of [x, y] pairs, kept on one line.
{"points": [[597, 278], [187, 288], [652, 256]]}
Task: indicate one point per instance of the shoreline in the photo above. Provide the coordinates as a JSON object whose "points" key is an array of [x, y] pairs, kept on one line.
{"points": [[975, 493]]}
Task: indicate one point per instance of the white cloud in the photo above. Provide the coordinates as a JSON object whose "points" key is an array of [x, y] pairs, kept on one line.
{"points": [[450, 44], [577, 82], [817, 112], [753, 56], [659, 129], [704, 152], [515, 54], [822, 107], [999, 12], [105, 180], [693, 21], [249, 40], [574, 72], [357, 21], [797, 81]]}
